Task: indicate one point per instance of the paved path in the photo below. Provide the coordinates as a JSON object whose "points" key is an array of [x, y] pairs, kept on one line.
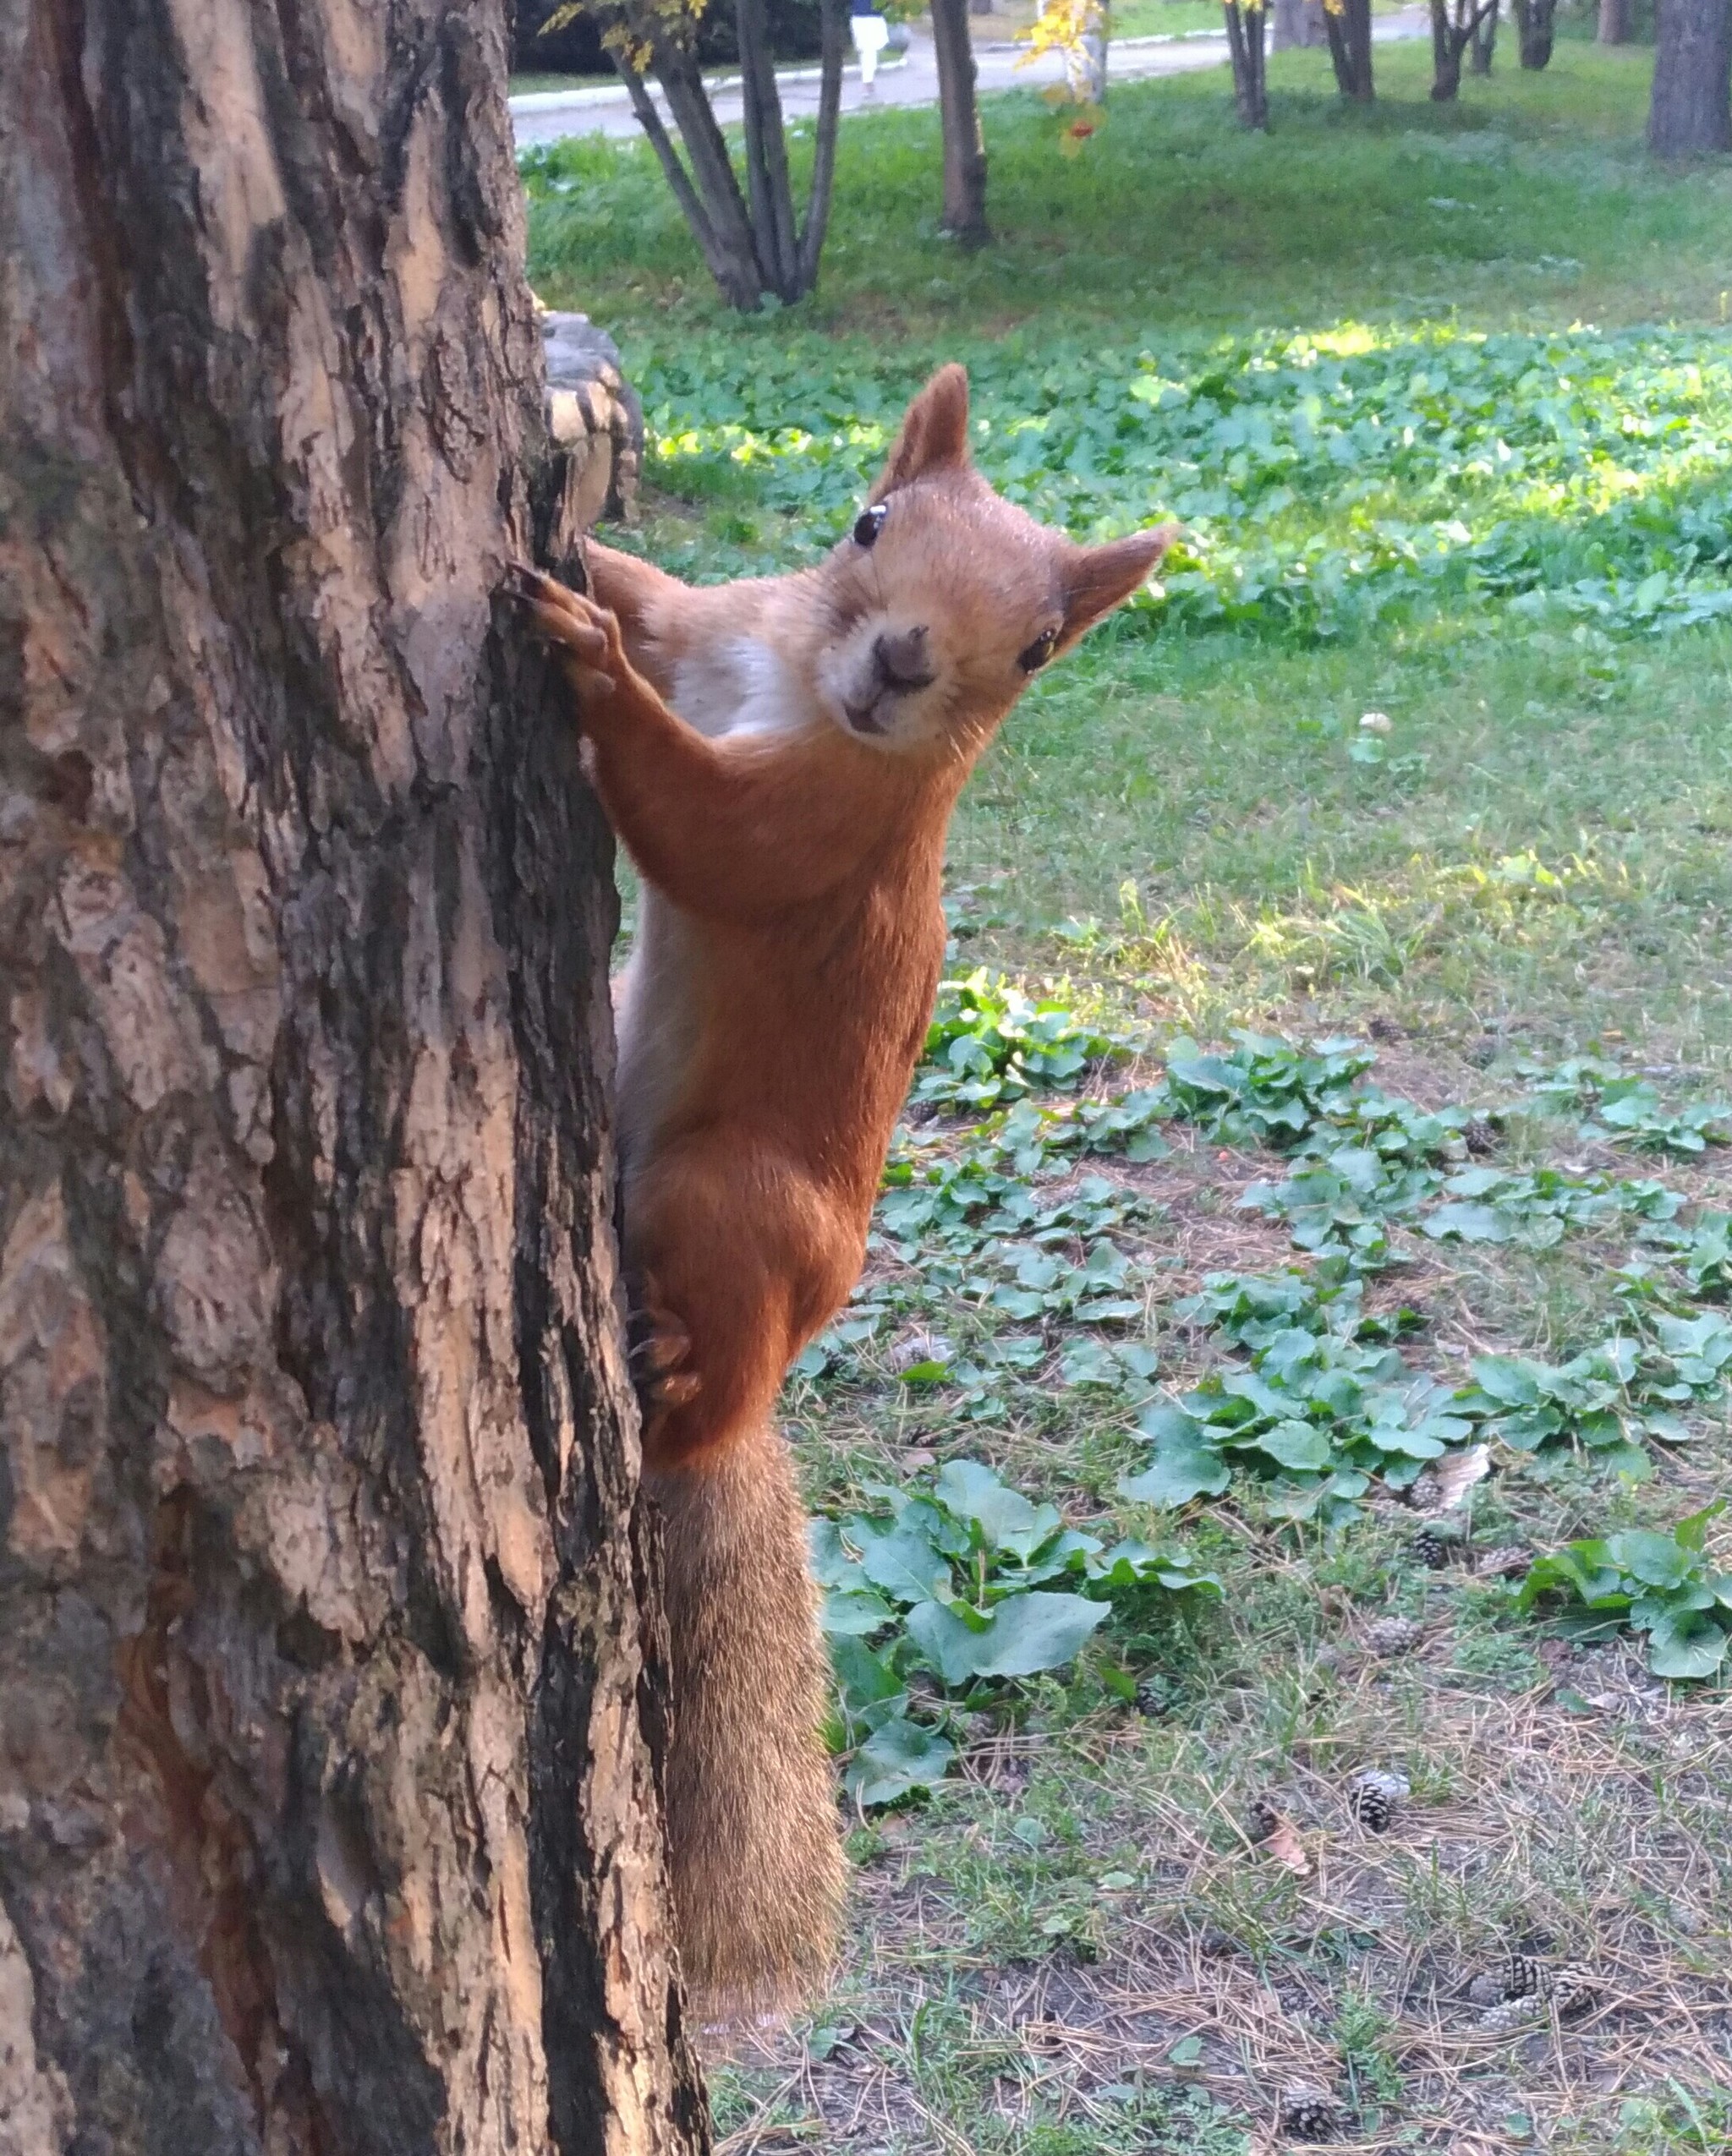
{"points": [[547, 115]]}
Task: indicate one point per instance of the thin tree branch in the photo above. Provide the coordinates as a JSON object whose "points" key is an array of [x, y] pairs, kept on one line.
{"points": [[834, 21], [643, 104], [766, 148]]}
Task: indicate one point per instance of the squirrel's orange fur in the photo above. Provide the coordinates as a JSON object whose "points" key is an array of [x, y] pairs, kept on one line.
{"points": [[791, 843]]}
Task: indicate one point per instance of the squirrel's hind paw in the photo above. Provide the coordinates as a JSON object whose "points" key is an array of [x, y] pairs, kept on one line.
{"points": [[657, 1345]]}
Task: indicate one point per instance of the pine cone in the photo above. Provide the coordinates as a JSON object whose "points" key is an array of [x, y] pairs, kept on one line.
{"points": [[1261, 1820], [1509, 2014], [1572, 1992], [1373, 1810], [1523, 1978], [1393, 1635], [1509, 1561], [1156, 1695], [1309, 2113], [1372, 1796], [1440, 1542]]}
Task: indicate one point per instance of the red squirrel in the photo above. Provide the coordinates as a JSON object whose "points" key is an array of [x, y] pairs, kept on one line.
{"points": [[779, 758]]}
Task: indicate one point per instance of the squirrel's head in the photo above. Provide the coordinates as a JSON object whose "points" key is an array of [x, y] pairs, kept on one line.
{"points": [[946, 598]]}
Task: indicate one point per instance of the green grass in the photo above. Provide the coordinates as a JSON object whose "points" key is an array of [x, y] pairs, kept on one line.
{"points": [[1176, 18], [1310, 347], [1174, 219], [1164, 17]]}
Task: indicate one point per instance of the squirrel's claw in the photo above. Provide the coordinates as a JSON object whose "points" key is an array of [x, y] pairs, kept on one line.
{"points": [[657, 1344]]}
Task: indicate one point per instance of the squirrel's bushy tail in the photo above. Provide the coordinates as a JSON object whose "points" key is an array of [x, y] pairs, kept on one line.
{"points": [[752, 1831]]}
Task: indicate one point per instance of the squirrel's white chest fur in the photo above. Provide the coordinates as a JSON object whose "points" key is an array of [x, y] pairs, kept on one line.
{"points": [[742, 687], [739, 687]]}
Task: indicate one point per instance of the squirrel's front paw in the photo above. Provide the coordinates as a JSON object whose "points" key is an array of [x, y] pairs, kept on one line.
{"points": [[584, 637]]}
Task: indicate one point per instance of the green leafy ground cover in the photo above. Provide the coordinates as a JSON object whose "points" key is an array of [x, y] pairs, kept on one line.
{"points": [[1214, 1388]]}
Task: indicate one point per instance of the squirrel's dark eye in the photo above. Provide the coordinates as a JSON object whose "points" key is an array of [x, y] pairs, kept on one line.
{"points": [[869, 524], [1038, 652]]}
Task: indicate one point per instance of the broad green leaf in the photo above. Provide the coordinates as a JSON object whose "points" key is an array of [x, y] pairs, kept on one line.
{"points": [[1505, 1379], [832, 1566], [1297, 1445], [1038, 1632], [1690, 1645], [1182, 1470], [1005, 1519], [1656, 1560], [863, 1677], [1467, 1222], [854, 1611], [896, 1761], [900, 1561], [947, 1637], [1024, 1634]]}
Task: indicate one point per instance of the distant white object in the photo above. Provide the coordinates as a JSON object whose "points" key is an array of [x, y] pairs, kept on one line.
{"points": [[871, 34]]}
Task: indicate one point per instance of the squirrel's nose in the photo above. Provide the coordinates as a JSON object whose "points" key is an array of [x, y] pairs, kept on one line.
{"points": [[901, 660]]}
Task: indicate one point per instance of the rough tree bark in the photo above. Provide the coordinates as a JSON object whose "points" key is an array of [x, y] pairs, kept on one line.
{"points": [[1533, 31], [1614, 22], [1348, 28], [964, 213], [328, 1824], [1690, 112]]}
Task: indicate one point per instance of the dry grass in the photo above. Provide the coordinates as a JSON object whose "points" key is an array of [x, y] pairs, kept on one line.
{"points": [[1593, 1836], [1086, 1895]]}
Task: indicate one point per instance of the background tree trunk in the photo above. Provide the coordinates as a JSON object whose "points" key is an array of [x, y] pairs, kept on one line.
{"points": [[1244, 46], [328, 1819], [964, 215], [754, 241], [1294, 23], [1453, 25], [1614, 22], [1348, 28], [1484, 44], [1690, 111], [1533, 31]]}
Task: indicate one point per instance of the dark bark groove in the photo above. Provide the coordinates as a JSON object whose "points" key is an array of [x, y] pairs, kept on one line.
{"points": [[328, 1816]]}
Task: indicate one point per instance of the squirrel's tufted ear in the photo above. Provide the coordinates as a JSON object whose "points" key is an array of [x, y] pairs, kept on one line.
{"points": [[1097, 578], [934, 432]]}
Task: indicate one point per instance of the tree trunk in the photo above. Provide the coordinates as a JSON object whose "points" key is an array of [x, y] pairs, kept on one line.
{"points": [[753, 245], [964, 216], [1484, 42], [768, 187], [1691, 112], [1348, 28], [1296, 23], [328, 1816], [1445, 54], [1615, 23], [1533, 31], [1245, 29], [1454, 26]]}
